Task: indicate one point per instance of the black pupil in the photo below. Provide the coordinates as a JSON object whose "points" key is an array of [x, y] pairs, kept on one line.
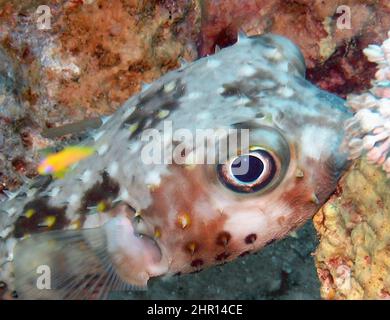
{"points": [[247, 168]]}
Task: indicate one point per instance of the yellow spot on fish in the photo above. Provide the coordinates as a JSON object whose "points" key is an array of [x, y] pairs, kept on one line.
{"points": [[191, 247], [76, 225], [101, 207], [50, 221], [157, 232], [137, 214], [152, 187], [57, 164], [29, 213], [163, 114], [299, 173], [133, 128], [184, 220]]}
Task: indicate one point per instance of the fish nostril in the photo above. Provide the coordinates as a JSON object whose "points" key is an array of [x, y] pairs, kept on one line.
{"points": [[223, 238], [251, 238], [197, 263]]}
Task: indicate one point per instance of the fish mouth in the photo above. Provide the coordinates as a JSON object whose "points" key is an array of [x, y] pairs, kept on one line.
{"points": [[135, 254]]}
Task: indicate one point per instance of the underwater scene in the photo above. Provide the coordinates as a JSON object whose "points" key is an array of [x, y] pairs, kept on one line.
{"points": [[194, 150]]}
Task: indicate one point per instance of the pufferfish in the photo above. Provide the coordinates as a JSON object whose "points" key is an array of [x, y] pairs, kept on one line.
{"points": [[114, 221]]}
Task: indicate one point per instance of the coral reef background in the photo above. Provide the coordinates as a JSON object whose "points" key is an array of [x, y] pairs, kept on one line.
{"points": [[98, 53]]}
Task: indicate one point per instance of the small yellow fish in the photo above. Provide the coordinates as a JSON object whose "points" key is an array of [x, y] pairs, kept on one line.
{"points": [[58, 163]]}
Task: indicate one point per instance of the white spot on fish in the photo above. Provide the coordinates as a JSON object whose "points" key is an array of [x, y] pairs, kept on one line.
{"points": [[11, 212], [96, 136], [73, 200], [113, 169], [170, 87], [272, 54], [105, 119], [31, 193], [246, 71], [242, 101], [10, 246], [103, 149], [127, 113], [86, 177], [153, 178], [286, 92], [54, 193], [4, 234], [125, 195]]}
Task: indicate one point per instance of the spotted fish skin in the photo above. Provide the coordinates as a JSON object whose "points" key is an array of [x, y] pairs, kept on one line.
{"points": [[164, 219]]}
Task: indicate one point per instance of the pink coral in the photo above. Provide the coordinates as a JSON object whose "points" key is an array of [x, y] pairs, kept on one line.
{"points": [[368, 132]]}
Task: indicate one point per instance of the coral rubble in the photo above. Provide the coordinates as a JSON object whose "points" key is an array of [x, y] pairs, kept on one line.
{"points": [[353, 257]]}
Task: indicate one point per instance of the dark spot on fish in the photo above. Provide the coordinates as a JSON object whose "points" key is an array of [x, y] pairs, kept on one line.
{"points": [[222, 256], [151, 103], [231, 90], [223, 238], [251, 238], [42, 182], [39, 210], [177, 274], [250, 87], [105, 191], [197, 263]]}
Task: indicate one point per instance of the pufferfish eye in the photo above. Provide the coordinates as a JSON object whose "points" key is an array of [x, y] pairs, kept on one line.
{"points": [[250, 172]]}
